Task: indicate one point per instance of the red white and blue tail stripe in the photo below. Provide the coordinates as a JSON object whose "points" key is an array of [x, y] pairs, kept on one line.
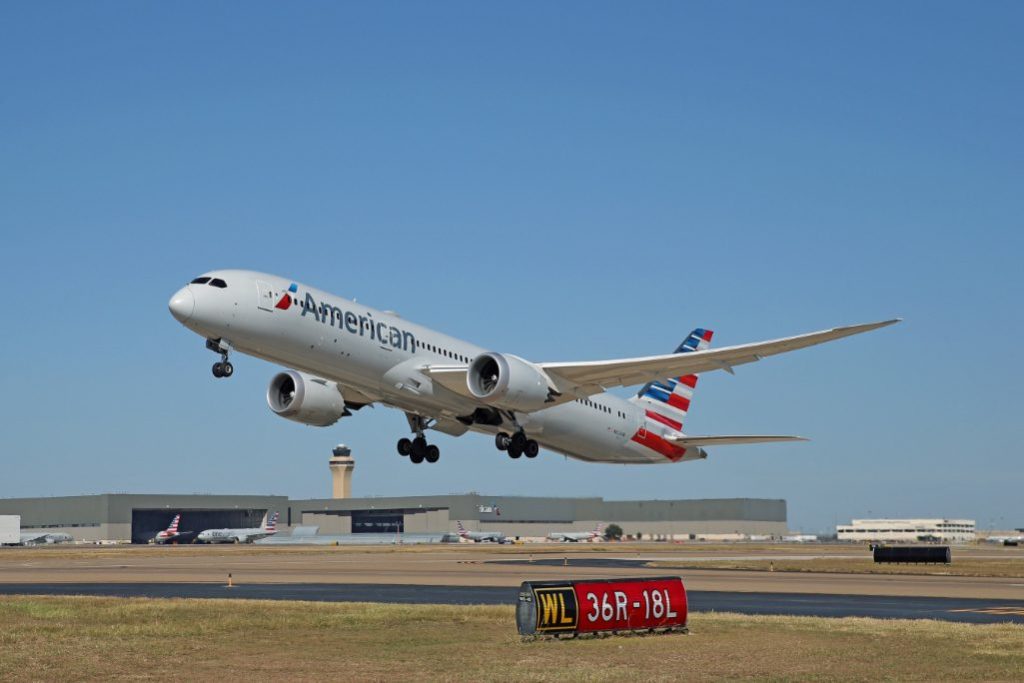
{"points": [[666, 402], [271, 526]]}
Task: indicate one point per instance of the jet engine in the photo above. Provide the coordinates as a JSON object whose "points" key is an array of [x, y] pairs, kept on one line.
{"points": [[509, 382], [302, 398]]}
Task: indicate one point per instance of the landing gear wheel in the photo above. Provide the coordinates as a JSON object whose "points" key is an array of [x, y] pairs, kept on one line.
{"points": [[419, 449], [404, 447], [532, 449], [514, 451], [227, 369], [501, 441], [218, 370], [519, 441], [432, 454]]}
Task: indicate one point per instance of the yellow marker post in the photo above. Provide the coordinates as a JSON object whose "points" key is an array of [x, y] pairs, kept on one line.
{"points": [[231, 583]]}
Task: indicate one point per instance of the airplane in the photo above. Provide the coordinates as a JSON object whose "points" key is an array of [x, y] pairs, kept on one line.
{"points": [[481, 536], [171, 533], [1005, 540], [342, 356], [577, 536], [41, 538], [266, 528]]}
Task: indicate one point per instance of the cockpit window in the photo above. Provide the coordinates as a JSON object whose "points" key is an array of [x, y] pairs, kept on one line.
{"points": [[200, 281], [217, 282]]}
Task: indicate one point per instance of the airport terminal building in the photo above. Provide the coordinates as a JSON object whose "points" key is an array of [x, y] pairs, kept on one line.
{"points": [[137, 518]]}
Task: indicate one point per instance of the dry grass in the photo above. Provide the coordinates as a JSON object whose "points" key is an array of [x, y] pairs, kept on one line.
{"points": [[142, 639], [1006, 568]]}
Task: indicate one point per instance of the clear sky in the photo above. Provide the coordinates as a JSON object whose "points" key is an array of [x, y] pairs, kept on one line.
{"points": [[562, 181]]}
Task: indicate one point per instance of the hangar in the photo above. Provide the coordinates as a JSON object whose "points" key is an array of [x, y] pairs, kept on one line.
{"points": [[136, 518]]}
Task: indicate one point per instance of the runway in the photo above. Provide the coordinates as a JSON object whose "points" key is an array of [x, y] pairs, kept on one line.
{"points": [[792, 604]]}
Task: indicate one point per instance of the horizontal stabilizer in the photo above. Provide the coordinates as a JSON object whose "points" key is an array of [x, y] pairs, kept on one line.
{"points": [[687, 441]]}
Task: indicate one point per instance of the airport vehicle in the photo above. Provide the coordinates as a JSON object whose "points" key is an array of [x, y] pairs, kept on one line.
{"points": [[43, 538], [10, 529], [577, 536], [172, 533], [268, 527], [343, 356], [480, 536]]}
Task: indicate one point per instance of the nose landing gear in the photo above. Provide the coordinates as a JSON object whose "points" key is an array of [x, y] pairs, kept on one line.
{"points": [[223, 368]]}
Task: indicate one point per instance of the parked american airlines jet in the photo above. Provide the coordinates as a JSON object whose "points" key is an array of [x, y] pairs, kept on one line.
{"points": [[343, 356], [267, 528], [171, 533], [577, 536], [480, 536]]}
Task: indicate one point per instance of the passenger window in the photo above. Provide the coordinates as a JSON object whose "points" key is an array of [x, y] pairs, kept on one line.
{"points": [[200, 281], [217, 282]]}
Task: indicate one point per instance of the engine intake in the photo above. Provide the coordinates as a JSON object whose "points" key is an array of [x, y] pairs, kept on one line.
{"points": [[509, 382], [302, 398]]}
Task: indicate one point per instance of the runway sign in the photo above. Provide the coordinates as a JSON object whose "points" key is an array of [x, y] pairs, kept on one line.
{"points": [[611, 605]]}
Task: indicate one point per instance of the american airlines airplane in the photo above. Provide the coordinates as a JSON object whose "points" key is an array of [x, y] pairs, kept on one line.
{"points": [[43, 538], [251, 535], [343, 356], [171, 533], [577, 536], [480, 536]]}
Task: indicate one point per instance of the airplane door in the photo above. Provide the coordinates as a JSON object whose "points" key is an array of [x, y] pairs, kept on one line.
{"points": [[265, 302]]}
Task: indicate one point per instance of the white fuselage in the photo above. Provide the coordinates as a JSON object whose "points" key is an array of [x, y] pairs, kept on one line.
{"points": [[232, 535], [377, 356]]}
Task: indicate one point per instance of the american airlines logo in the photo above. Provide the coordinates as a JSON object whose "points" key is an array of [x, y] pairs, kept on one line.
{"points": [[362, 324]]}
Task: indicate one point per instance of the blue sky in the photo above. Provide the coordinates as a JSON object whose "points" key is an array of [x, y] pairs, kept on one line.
{"points": [[560, 181]]}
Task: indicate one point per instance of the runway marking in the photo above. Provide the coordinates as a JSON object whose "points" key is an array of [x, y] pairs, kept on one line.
{"points": [[1010, 611]]}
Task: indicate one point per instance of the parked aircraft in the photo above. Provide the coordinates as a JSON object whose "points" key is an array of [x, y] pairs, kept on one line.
{"points": [[481, 536], [251, 535], [343, 356], [576, 536], [172, 533], [41, 538]]}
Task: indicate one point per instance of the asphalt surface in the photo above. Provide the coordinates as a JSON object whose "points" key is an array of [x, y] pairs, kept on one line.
{"points": [[794, 604]]}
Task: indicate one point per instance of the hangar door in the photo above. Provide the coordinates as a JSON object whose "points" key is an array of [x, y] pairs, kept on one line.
{"points": [[146, 523]]}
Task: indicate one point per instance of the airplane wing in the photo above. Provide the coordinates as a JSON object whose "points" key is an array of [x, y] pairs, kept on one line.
{"points": [[595, 376], [580, 379], [687, 441]]}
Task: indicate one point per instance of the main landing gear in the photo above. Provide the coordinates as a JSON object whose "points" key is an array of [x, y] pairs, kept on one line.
{"points": [[223, 368], [516, 445], [418, 449]]}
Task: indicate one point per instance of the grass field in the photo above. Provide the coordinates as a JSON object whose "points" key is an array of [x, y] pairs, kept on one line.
{"points": [[1007, 568], [51, 638]]}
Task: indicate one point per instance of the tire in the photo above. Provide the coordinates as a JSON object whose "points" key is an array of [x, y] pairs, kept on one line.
{"points": [[501, 441], [513, 451], [433, 453], [218, 370], [419, 449], [227, 369], [404, 447], [519, 441], [416, 457], [532, 449]]}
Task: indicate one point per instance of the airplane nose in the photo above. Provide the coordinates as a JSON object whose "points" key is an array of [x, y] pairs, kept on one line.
{"points": [[182, 304]]}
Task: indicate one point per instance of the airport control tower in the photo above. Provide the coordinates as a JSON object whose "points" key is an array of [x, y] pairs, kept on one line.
{"points": [[342, 463]]}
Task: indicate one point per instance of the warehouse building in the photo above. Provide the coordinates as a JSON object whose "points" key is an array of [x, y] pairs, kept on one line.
{"points": [[907, 530], [137, 518]]}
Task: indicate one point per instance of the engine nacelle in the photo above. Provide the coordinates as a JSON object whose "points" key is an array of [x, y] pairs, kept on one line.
{"points": [[509, 382], [309, 400]]}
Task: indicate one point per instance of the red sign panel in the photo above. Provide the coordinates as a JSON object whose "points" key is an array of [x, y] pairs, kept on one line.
{"points": [[552, 607]]}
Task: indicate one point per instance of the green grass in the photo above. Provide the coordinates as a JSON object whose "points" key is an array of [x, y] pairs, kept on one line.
{"points": [[78, 638]]}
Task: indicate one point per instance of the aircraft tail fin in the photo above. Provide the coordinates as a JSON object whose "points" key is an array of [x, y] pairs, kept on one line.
{"points": [[462, 529], [173, 526], [667, 401], [270, 525]]}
